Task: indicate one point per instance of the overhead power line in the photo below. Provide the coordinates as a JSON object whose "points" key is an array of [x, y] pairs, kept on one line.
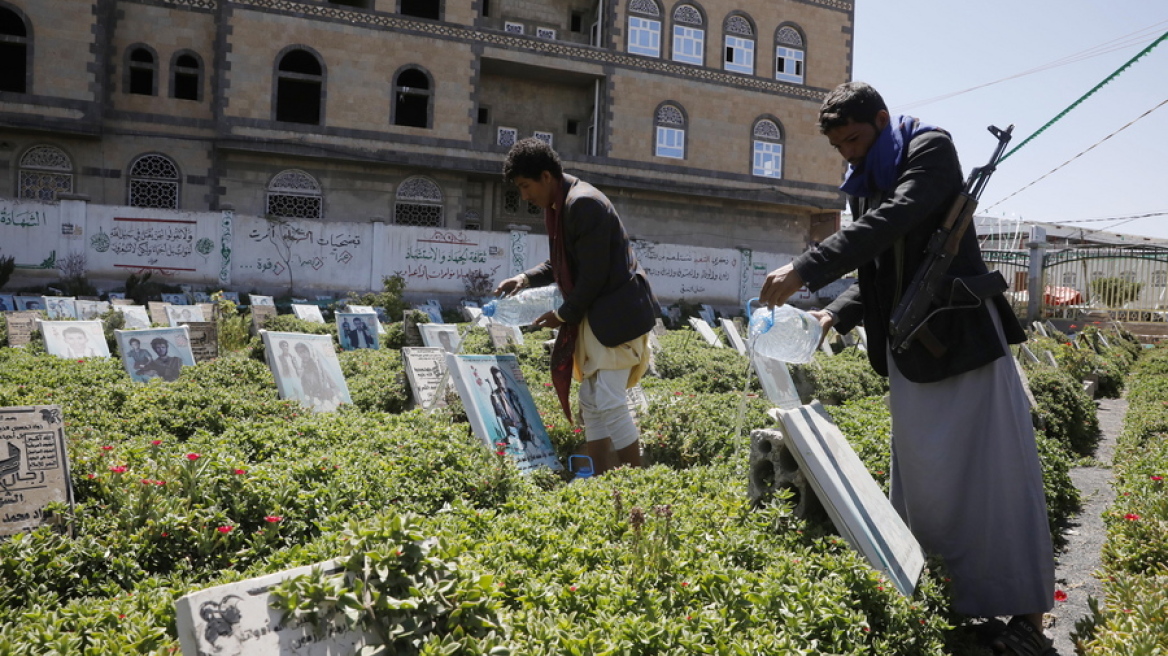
{"points": [[1084, 152]]}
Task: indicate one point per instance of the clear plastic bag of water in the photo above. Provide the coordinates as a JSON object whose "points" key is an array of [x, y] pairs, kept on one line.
{"points": [[784, 333], [525, 307]]}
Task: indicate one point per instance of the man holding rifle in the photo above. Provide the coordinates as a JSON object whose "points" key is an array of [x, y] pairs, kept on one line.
{"points": [[965, 473]]}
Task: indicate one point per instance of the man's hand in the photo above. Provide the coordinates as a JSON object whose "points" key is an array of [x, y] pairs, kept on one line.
{"points": [[781, 284], [547, 320], [826, 320], [511, 285]]}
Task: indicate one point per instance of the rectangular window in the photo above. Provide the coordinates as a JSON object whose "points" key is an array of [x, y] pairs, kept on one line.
{"points": [[740, 55], [507, 137], [545, 137], [789, 65], [670, 142], [689, 45], [644, 37], [577, 22], [513, 28], [573, 126], [768, 159], [484, 116], [545, 33]]}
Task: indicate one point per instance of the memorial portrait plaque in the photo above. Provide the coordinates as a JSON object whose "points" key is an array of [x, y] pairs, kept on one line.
{"points": [[854, 501], [175, 299], [34, 467], [155, 352], [75, 339], [501, 410], [256, 299], [88, 310], [500, 335], [7, 303], [260, 315], [177, 314], [231, 296], [134, 316], [308, 312], [425, 368], [60, 307], [306, 369], [358, 330], [121, 300], [433, 309], [157, 312], [369, 309], [441, 335], [29, 303]]}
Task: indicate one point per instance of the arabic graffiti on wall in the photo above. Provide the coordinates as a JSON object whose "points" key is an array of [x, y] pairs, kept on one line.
{"points": [[164, 246], [443, 258], [292, 252], [21, 218], [689, 271]]}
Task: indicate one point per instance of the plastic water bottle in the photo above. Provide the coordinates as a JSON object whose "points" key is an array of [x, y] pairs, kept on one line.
{"points": [[524, 307], [784, 333]]}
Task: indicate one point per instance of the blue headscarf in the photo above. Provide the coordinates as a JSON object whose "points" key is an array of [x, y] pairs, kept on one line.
{"points": [[882, 164]]}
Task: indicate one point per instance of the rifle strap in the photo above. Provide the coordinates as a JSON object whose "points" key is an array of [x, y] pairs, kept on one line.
{"points": [[930, 341]]}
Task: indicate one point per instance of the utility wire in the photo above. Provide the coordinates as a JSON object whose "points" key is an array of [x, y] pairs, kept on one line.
{"points": [[1089, 149], [1119, 43]]}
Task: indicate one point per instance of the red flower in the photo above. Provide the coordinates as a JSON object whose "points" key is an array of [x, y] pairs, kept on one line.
{"points": [[193, 456], [155, 442], [1158, 478], [147, 481], [1132, 517], [120, 469], [273, 519], [107, 448], [239, 472], [500, 453], [685, 584], [91, 476], [572, 588], [1059, 595], [225, 529], [160, 482]]}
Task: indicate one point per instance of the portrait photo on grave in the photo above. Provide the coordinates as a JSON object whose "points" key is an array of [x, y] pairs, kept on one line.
{"points": [[178, 314], [358, 331], [75, 339], [441, 335], [134, 316], [88, 310], [501, 410], [369, 309], [175, 299], [60, 307], [231, 296], [256, 299], [306, 369], [155, 352], [308, 312], [29, 303], [7, 304]]}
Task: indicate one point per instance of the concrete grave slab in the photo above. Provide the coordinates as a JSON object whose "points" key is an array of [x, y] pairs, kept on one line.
{"points": [[425, 369], [733, 336], [706, 332], [34, 467]]}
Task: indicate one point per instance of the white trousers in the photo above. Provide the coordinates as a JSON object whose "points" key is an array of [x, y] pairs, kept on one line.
{"points": [[605, 407]]}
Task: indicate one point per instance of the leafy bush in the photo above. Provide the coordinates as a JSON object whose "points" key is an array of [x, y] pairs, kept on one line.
{"points": [[1066, 412], [844, 376]]}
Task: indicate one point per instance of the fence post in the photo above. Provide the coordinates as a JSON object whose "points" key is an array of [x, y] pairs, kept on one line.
{"points": [[1036, 244]]}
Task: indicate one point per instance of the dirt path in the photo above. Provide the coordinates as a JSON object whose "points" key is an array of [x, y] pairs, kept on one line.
{"points": [[1079, 561]]}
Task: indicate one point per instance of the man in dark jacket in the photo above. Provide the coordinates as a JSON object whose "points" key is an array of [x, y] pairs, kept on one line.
{"points": [[608, 307], [965, 471]]}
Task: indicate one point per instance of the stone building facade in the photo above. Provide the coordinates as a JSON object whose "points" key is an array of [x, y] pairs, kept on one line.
{"points": [[697, 117]]}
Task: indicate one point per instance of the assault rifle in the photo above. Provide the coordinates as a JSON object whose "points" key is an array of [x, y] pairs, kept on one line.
{"points": [[909, 318]]}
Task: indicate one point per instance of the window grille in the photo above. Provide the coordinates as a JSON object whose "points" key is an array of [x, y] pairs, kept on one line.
{"points": [[507, 137], [294, 194], [154, 182], [45, 171], [419, 203]]}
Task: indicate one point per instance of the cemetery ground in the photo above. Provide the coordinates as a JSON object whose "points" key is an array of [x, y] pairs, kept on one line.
{"points": [[210, 479]]}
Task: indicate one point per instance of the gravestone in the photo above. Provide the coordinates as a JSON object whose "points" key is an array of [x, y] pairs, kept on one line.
{"points": [[134, 316], [425, 368], [308, 312], [732, 335], [708, 314], [706, 332], [368, 309], [34, 467], [120, 300], [1025, 383], [776, 381], [500, 335], [204, 339], [210, 311], [413, 334], [1050, 358], [852, 498], [21, 325], [260, 315], [1028, 354], [237, 618], [157, 312], [638, 402], [659, 327], [1039, 328]]}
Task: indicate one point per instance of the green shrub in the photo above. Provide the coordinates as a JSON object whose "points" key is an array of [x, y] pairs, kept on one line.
{"points": [[844, 376], [1067, 414]]}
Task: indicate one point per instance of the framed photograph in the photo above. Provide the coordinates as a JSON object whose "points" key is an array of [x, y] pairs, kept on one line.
{"points": [[60, 307], [231, 296], [7, 304], [308, 312], [201, 297], [29, 302], [175, 299], [441, 335], [256, 299], [369, 309], [116, 296], [135, 316], [178, 314], [358, 330], [87, 310], [432, 310], [501, 410], [75, 339], [306, 369], [155, 352]]}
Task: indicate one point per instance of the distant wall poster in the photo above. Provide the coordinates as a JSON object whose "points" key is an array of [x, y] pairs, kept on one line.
{"points": [[306, 369]]}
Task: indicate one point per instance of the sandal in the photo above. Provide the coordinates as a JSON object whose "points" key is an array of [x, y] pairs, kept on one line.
{"points": [[1021, 638]]}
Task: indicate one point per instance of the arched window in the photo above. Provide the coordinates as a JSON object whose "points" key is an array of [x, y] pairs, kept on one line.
{"points": [[294, 194], [689, 35], [411, 98], [142, 71], [45, 171], [154, 181], [768, 149], [670, 122], [186, 76], [14, 44], [644, 28], [789, 54], [739, 45], [299, 87], [418, 203]]}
